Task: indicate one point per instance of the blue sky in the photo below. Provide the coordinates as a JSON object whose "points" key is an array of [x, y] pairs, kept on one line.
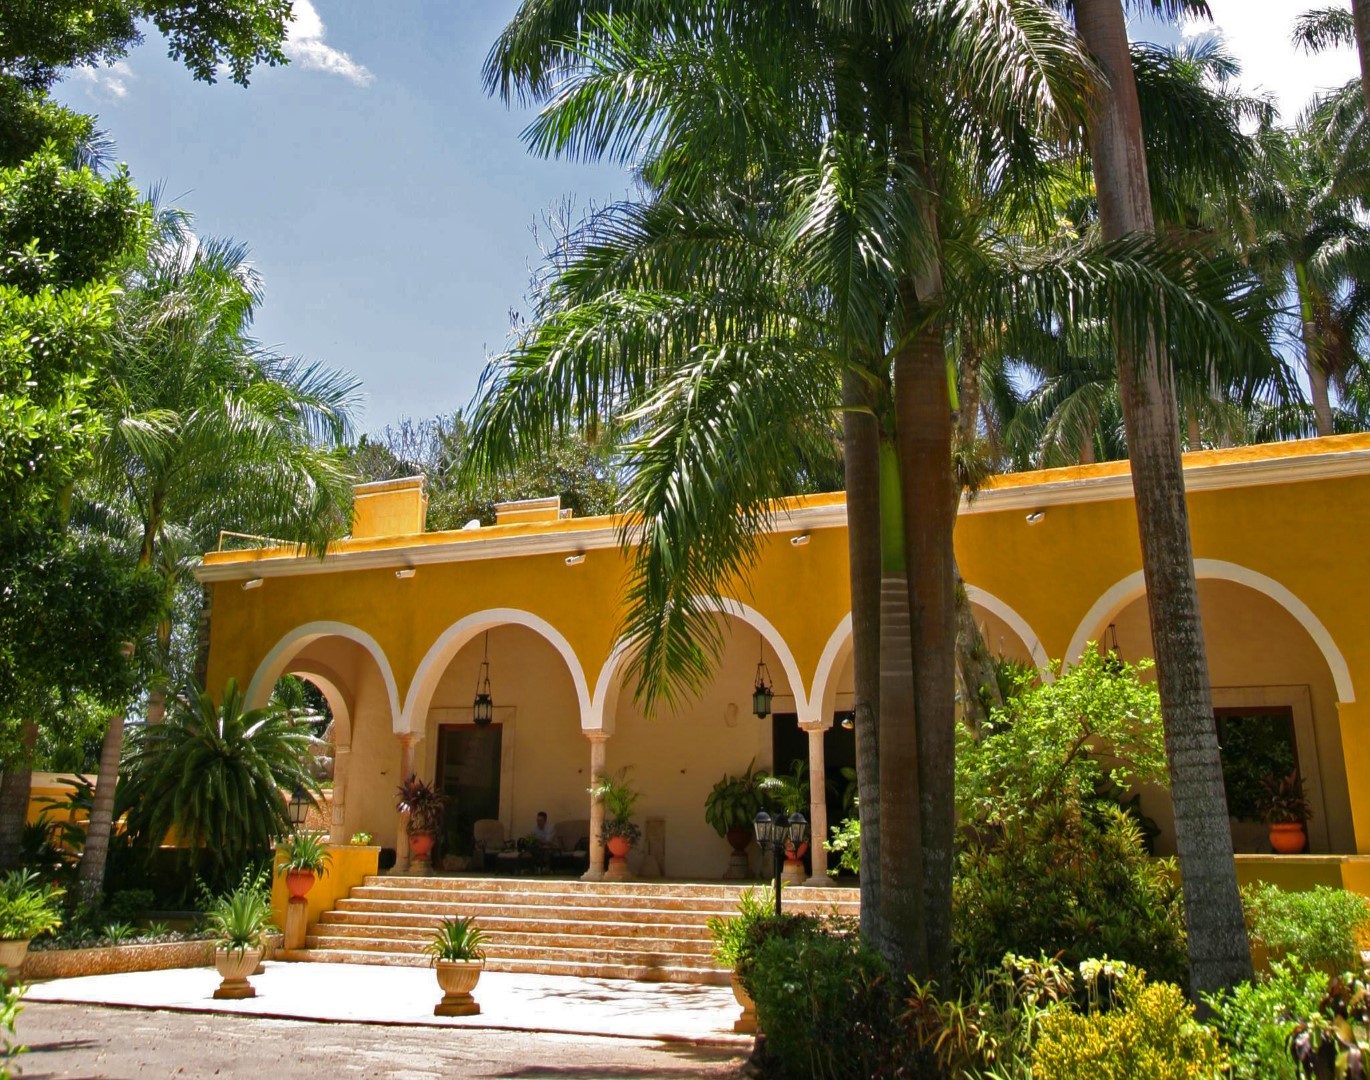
{"points": [[388, 202]]}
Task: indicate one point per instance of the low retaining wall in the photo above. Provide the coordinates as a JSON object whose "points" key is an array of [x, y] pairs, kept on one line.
{"points": [[115, 959]]}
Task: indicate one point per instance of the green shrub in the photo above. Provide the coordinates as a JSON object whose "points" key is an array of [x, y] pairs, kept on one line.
{"points": [[1321, 926], [27, 907], [827, 1003], [128, 904], [1256, 1019], [1333, 1042], [846, 845], [1071, 881], [1148, 1033]]}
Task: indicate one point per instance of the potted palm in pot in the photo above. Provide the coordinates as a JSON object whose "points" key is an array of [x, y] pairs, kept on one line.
{"points": [[618, 832], [306, 859], [729, 809], [733, 940], [27, 908], [458, 957], [425, 806], [238, 922], [1284, 806]]}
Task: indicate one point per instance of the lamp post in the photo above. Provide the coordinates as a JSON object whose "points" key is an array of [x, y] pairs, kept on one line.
{"points": [[776, 832]]}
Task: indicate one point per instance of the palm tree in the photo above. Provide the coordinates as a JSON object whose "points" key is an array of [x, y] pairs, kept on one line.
{"points": [[1323, 28], [216, 775], [1220, 954], [206, 428]]}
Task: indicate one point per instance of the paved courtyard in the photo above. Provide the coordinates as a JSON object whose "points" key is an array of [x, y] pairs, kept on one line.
{"points": [[80, 1041]]}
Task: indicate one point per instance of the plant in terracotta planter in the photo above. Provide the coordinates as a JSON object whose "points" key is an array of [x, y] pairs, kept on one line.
{"points": [[732, 939], [1284, 805], [458, 955], [425, 806], [618, 831], [731, 806], [306, 858], [27, 908], [238, 922]]}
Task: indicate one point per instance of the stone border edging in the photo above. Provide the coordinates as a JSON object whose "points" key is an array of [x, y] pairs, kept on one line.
{"points": [[116, 959]]}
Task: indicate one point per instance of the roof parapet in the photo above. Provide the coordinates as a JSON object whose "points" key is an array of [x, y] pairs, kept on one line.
{"points": [[389, 508], [531, 511]]}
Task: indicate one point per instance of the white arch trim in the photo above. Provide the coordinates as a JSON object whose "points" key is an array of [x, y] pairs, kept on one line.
{"points": [[1107, 607], [835, 654], [1015, 622], [413, 718], [278, 661], [600, 718]]}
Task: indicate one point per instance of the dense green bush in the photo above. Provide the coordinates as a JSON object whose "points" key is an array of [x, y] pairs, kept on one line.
{"points": [[28, 908], [732, 935], [828, 1004], [1256, 1019], [1320, 926], [1148, 1032]]}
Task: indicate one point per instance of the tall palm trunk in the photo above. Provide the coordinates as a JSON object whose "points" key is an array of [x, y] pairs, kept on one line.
{"points": [[96, 851], [861, 455], [15, 787], [1218, 948], [1360, 10], [902, 929], [1308, 327]]}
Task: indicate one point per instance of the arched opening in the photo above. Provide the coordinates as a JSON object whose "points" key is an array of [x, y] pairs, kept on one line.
{"points": [[1275, 696], [530, 757], [677, 755]]}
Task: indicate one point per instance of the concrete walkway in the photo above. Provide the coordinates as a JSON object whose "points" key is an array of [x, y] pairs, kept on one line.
{"points": [[368, 994]]}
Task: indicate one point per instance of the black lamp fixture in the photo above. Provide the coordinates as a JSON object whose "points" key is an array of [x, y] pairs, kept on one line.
{"points": [[778, 833], [1113, 657], [483, 708], [298, 807], [762, 692]]}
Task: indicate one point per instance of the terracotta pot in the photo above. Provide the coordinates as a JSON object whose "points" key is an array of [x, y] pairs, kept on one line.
{"points": [[746, 1023], [12, 953], [619, 846], [299, 882], [234, 966], [457, 978], [739, 836], [420, 844], [1288, 837], [794, 854]]}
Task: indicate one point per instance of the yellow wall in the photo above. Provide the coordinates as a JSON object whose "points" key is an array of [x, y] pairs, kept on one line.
{"points": [[1305, 534], [348, 866]]}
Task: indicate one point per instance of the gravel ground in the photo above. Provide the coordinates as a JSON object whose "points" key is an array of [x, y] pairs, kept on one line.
{"points": [[77, 1041]]}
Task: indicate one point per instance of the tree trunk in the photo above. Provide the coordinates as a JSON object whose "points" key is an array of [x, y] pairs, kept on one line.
{"points": [[15, 786], [903, 935], [979, 681], [201, 672], [1317, 377], [92, 878], [1360, 10], [1218, 948], [861, 453]]}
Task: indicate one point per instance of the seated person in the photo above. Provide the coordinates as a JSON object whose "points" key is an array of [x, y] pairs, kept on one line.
{"points": [[543, 832]]}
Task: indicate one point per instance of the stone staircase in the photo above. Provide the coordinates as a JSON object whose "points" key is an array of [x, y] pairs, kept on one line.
{"points": [[649, 931]]}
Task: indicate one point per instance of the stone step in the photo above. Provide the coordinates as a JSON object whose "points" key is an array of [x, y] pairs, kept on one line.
{"points": [[496, 939], [725, 891], [592, 953], [427, 921], [639, 973], [422, 899]]}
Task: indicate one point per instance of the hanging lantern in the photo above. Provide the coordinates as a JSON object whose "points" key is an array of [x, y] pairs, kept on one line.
{"points": [[762, 692], [298, 807], [483, 708], [1113, 658]]}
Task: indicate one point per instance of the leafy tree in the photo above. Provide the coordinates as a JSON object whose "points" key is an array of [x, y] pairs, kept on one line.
{"points": [[215, 774]]}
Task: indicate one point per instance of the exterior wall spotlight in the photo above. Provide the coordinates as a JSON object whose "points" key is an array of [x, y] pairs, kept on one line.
{"points": [[252, 583], [576, 559], [1035, 518]]}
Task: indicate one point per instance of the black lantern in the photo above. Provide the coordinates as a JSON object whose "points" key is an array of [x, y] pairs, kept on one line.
{"points": [[798, 830], [773, 832], [298, 807], [1113, 658], [762, 692], [483, 708]]}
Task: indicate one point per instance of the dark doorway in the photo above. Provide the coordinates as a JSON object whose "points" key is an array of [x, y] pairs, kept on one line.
{"points": [[1255, 743], [789, 744], [468, 774]]}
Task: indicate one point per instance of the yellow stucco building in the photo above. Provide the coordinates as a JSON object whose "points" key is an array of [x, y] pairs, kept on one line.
{"points": [[394, 623]]}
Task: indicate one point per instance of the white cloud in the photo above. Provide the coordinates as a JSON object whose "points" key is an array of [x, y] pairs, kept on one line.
{"points": [[109, 83], [306, 47], [1257, 32]]}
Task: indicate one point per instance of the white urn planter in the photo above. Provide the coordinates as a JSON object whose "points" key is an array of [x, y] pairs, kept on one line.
{"points": [[234, 966]]}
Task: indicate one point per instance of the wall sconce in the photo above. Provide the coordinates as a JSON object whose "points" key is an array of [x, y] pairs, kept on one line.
{"points": [[576, 559], [800, 540], [406, 573], [1035, 518], [252, 583]]}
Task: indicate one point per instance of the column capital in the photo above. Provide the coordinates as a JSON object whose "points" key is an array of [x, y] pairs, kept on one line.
{"points": [[408, 738], [816, 725], [595, 734]]}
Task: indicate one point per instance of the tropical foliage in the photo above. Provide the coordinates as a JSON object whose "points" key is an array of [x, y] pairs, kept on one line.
{"points": [[306, 851], [28, 908], [215, 775], [457, 939], [240, 919]]}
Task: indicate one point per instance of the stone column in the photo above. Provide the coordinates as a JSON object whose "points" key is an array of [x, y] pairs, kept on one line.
{"points": [[337, 833], [596, 871], [818, 806], [407, 741]]}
